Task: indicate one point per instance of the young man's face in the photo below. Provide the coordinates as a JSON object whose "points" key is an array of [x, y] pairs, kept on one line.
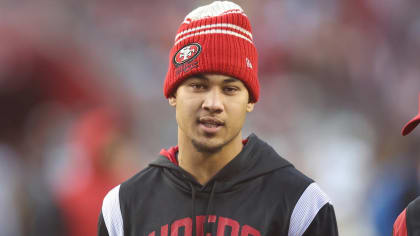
{"points": [[211, 110]]}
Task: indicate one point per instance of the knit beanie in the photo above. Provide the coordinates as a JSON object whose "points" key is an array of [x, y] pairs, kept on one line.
{"points": [[214, 38]]}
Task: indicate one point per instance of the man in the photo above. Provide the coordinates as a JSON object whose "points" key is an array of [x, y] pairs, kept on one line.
{"points": [[408, 222], [213, 182]]}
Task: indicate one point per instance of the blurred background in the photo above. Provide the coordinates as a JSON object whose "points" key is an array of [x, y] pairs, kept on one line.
{"points": [[82, 107]]}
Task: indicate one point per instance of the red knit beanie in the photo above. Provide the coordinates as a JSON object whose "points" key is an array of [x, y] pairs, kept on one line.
{"points": [[214, 38]]}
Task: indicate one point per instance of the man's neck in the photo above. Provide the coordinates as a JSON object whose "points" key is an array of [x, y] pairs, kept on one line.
{"points": [[203, 165]]}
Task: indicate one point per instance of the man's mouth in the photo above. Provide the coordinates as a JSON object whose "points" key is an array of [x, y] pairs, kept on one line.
{"points": [[210, 122]]}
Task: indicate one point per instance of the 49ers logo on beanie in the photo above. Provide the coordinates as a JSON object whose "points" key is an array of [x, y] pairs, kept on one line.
{"points": [[187, 53]]}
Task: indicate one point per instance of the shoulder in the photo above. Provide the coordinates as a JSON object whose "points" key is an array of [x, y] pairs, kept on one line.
{"points": [[135, 186], [413, 207], [308, 202], [139, 178], [293, 176], [291, 179], [119, 192], [113, 203], [302, 189], [312, 203], [111, 212]]}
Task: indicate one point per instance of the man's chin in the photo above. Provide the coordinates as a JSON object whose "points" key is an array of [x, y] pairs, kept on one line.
{"points": [[206, 147]]}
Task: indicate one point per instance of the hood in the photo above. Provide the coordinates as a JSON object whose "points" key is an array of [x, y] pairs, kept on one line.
{"points": [[256, 159]]}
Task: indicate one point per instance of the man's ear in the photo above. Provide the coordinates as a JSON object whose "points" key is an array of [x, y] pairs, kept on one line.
{"points": [[172, 101], [250, 107]]}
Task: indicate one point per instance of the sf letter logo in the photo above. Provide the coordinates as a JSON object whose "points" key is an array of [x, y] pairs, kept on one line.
{"points": [[187, 53]]}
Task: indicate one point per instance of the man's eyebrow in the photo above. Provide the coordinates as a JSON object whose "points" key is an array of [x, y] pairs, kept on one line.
{"points": [[230, 80], [205, 78], [201, 77]]}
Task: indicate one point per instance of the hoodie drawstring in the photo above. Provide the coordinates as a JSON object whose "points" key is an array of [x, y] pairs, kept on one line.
{"points": [[193, 209], [209, 207]]}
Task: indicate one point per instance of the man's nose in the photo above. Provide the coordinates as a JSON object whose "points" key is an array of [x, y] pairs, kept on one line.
{"points": [[213, 101]]}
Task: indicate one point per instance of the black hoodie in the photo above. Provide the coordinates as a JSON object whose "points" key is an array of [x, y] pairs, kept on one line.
{"points": [[257, 193]]}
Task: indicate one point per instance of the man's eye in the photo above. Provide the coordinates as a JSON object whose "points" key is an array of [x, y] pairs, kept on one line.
{"points": [[230, 89], [197, 86]]}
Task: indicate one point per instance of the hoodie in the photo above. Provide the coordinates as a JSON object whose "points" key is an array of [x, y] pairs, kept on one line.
{"points": [[256, 193]]}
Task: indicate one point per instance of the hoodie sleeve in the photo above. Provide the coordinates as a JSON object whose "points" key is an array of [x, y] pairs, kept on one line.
{"points": [[313, 214], [102, 230], [111, 220], [324, 223]]}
